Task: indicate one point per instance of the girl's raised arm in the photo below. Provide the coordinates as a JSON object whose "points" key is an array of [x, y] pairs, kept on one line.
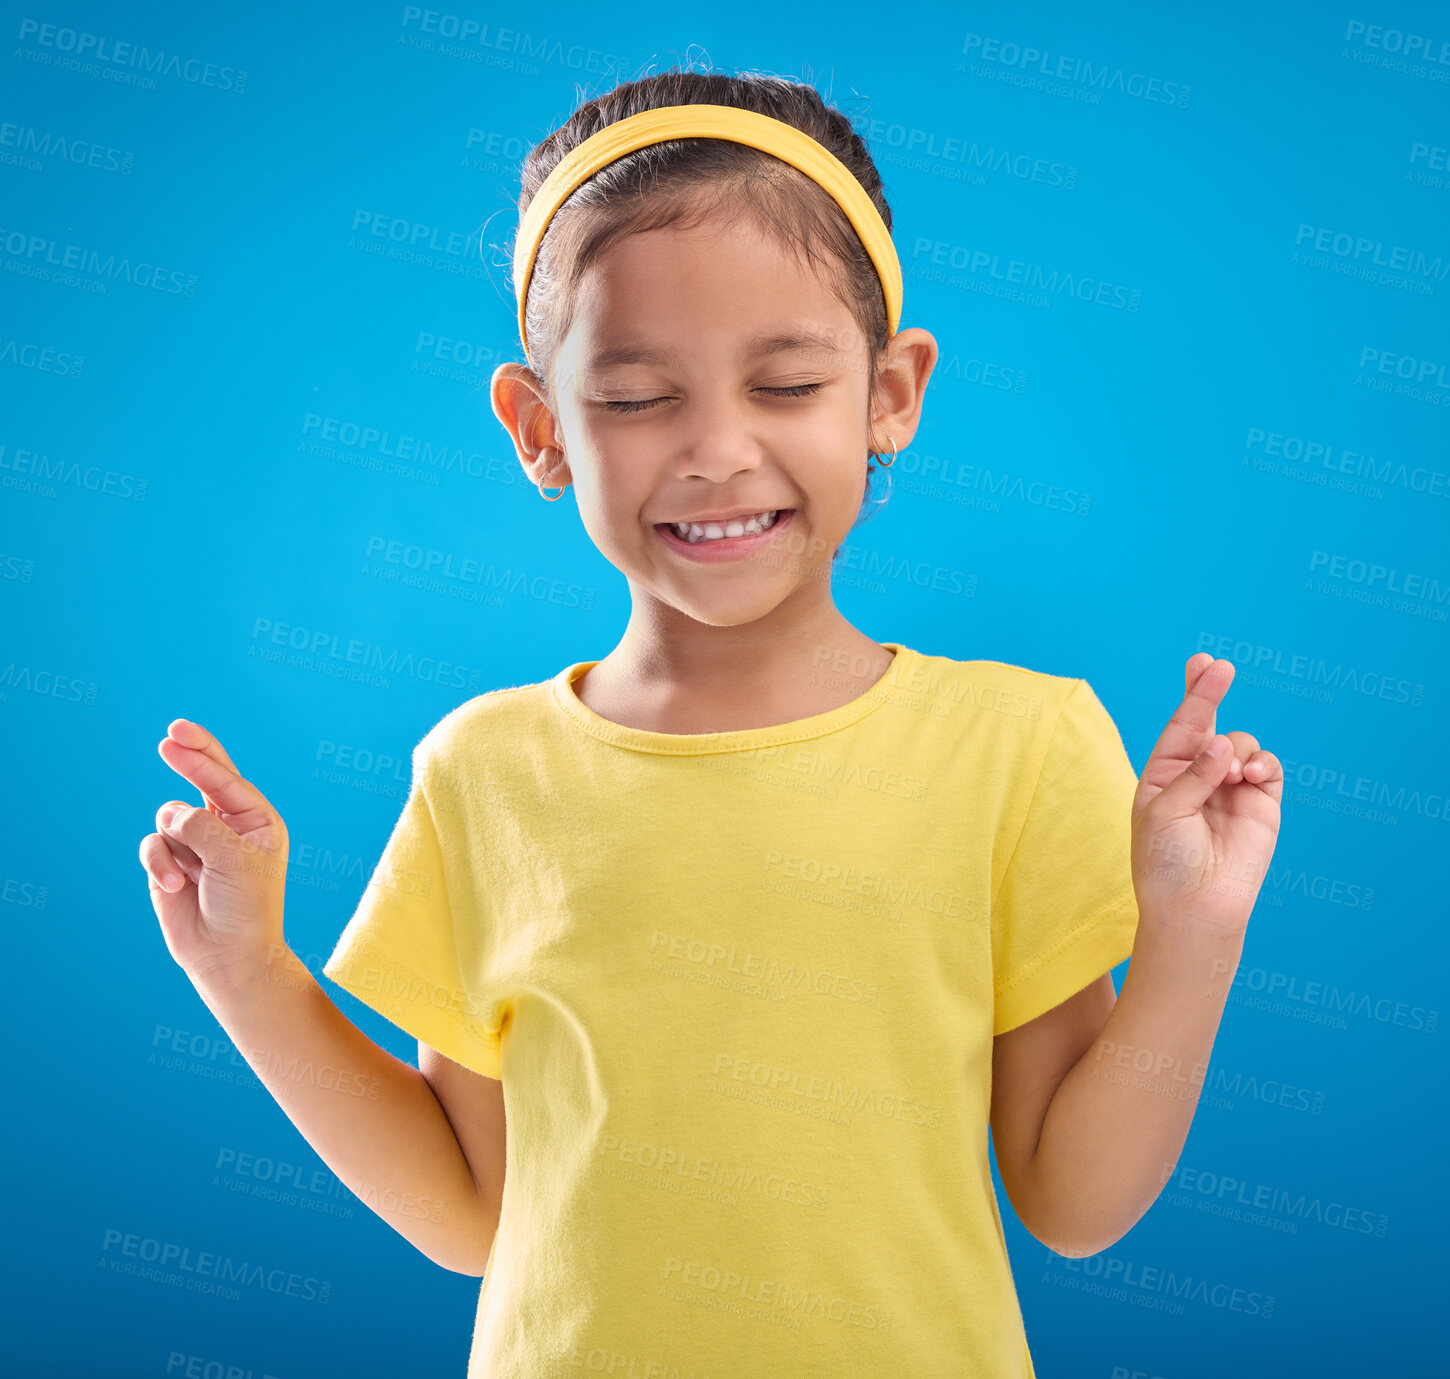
{"points": [[217, 876], [1096, 1124]]}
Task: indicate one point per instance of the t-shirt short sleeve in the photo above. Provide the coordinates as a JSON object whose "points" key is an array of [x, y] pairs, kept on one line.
{"points": [[399, 953], [1065, 911]]}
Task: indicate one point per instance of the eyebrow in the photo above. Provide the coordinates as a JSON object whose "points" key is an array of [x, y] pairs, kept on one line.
{"points": [[757, 347]]}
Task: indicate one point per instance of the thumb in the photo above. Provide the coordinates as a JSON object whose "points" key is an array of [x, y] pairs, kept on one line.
{"points": [[1186, 794], [201, 831]]}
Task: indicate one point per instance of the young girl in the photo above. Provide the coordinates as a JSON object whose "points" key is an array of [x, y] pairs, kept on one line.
{"points": [[750, 930]]}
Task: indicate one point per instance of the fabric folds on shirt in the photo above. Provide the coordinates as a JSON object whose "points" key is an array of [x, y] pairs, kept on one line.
{"points": [[741, 990]]}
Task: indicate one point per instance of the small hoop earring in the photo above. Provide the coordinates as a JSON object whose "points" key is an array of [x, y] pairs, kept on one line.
{"points": [[886, 464], [557, 496]]}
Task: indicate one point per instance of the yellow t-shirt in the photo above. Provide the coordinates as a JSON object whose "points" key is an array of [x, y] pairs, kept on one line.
{"points": [[741, 990]]}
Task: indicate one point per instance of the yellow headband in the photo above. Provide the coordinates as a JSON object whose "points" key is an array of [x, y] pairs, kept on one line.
{"points": [[770, 135]]}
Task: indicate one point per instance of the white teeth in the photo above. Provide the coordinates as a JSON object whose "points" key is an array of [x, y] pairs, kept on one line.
{"points": [[694, 532]]}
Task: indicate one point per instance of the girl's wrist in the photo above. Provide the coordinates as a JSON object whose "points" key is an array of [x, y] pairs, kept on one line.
{"points": [[237, 975], [1186, 951]]}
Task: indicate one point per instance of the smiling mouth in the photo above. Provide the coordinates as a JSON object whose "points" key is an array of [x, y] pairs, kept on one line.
{"points": [[701, 546], [703, 533]]}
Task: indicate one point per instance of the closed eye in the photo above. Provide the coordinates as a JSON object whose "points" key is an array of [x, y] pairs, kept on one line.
{"points": [[797, 390]]}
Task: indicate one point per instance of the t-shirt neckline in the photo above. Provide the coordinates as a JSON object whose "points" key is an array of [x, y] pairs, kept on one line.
{"points": [[740, 739]]}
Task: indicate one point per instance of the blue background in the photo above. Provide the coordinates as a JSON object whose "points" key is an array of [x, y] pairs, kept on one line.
{"points": [[167, 501]]}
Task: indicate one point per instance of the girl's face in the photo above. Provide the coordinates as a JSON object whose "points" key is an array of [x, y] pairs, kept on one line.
{"points": [[707, 376]]}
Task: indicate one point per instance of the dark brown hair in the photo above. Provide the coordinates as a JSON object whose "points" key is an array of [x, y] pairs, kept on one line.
{"points": [[688, 181]]}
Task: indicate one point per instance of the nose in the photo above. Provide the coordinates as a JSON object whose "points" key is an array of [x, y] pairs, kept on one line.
{"points": [[717, 442]]}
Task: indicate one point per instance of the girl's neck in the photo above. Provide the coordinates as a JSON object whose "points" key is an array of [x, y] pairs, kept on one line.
{"points": [[730, 679]]}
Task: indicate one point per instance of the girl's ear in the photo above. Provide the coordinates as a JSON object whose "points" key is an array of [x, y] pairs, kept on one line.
{"points": [[906, 368], [517, 396]]}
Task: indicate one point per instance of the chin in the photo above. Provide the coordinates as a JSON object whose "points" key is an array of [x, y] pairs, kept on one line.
{"points": [[725, 612]]}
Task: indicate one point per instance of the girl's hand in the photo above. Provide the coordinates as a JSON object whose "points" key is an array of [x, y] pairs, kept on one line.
{"points": [[217, 874], [1204, 826]]}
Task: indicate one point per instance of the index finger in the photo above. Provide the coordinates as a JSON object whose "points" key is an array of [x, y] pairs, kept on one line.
{"points": [[1193, 668], [1191, 728], [194, 753]]}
